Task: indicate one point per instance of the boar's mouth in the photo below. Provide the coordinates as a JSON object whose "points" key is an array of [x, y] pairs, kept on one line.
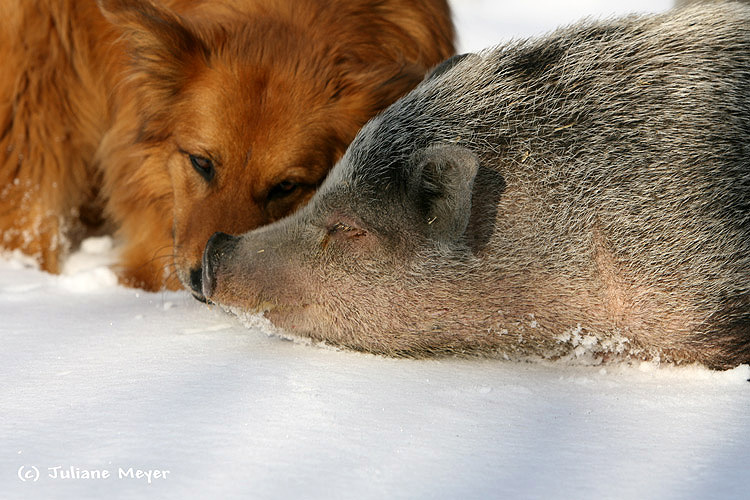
{"points": [[289, 318]]}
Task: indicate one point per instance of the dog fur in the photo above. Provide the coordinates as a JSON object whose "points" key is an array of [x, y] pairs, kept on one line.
{"points": [[166, 122]]}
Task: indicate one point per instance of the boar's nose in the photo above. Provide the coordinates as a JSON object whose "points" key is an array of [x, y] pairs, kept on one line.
{"points": [[195, 284], [217, 247]]}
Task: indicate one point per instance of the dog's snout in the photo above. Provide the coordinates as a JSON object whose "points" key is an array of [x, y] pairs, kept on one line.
{"points": [[217, 247]]}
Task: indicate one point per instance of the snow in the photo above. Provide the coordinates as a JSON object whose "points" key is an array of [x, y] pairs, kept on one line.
{"points": [[482, 23], [171, 398]]}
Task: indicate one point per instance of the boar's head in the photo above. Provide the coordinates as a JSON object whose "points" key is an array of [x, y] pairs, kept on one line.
{"points": [[369, 262]]}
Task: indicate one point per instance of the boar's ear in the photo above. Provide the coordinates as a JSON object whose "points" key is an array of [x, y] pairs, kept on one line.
{"points": [[163, 47], [442, 185]]}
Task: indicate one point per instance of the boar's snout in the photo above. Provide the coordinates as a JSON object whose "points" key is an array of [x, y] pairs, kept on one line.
{"points": [[217, 246]]}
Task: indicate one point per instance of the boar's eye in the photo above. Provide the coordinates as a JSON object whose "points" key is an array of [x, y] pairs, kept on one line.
{"points": [[339, 226], [282, 190], [346, 230], [203, 166]]}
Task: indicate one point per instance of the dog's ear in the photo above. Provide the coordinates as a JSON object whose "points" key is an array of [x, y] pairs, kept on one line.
{"points": [[364, 89], [165, 51], [387, 82]]}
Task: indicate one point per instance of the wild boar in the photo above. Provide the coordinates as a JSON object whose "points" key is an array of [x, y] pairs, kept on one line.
{"points": [[585, 189]]}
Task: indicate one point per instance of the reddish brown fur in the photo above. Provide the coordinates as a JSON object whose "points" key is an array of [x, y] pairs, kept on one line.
{"points": [[99, 116]]}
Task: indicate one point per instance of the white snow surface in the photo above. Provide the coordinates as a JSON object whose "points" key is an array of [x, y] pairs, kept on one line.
{"points": [[103, 380]]}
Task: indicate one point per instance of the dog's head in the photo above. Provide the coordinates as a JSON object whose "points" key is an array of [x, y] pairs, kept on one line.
{"points": [[248, 112]]}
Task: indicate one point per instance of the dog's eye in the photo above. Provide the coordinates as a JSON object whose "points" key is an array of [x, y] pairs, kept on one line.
{"points": [[282, 190], [203, 166]]}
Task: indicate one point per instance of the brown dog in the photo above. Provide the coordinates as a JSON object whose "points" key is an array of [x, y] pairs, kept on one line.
{"points": [[168, 123]]}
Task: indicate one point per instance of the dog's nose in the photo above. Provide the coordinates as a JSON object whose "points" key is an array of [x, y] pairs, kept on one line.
{"points": [[218, 246]]}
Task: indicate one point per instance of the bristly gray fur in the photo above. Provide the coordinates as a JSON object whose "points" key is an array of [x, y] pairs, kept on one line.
{"points": [[612, 202]]}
